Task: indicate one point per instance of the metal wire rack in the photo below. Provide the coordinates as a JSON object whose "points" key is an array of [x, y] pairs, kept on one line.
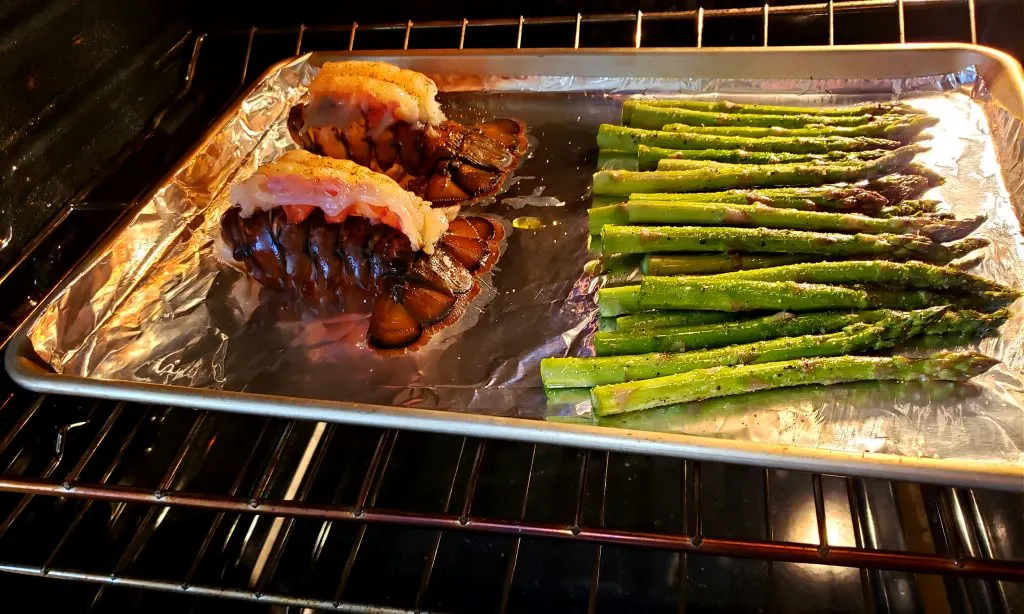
{"points": [[298, 518]]}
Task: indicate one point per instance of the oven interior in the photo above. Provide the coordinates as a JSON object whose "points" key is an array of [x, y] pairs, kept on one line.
{"points": [[111, 506]]}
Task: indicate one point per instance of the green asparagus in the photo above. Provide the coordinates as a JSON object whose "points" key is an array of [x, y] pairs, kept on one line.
{"points": [[625, 138], [903, 274], [763, 216], [908, 208], [934, 177], [953, 321], [966, 322], [853, 339], [737, 415], [749, 175], [648, 157], [652, 116], [706, 264], [711, 294], [900, 128], [618, 271], [672, 319], [824, 198], [689, 165], [699, 337], [614, 265], [598, 217], [724, 381], [613, 159], [874, 108], [617, 239], [618, 300], [566, 398], [900, 186]]}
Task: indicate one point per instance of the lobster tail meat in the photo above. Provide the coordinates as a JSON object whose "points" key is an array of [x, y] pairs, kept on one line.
{"points": [[416, 85], [387, 118], [299, 182]]}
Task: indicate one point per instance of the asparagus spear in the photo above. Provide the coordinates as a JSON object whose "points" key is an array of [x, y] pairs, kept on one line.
{"points": [[873, 108], [953, 321], [618, 239], [652, 116], [908, 208], [853, 339], [902, 186], [629, 139], [613, 264], [618, 270], [565, 398], [671, 319], [900, 128], [762, 216], [967, 322], [618, 300], [699, 337], [724, 381], [725, 416], [712, 294], [705, 264], [615, 301], [598, 217], [934, 177], [648, 157], [687, 165], [824, 198], [750, 175], [904, 274], [613, 159]]}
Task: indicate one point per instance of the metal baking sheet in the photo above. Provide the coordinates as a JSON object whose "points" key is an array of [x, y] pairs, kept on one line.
{"points": [[153, 316]]}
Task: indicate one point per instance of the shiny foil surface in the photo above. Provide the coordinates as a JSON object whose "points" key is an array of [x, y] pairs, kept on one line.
{"points": [[161, 306]]}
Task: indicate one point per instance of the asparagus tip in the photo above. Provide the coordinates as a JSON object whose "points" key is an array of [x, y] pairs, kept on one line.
{"points": [[966, 364], [949, 230], [963, 247], [999, 316]]}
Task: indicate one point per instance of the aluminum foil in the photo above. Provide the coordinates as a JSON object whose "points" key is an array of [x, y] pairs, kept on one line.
{"points": [[159, 305]]}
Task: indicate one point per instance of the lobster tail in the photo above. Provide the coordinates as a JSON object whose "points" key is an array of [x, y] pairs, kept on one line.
{"points": [[410, 294], [445, 164]]}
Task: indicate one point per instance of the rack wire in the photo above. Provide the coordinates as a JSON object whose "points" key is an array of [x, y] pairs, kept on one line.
{"points": [[281, 489]]}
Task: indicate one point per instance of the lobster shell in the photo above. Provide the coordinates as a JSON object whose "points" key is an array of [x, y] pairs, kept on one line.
{"points": [[445, 164], [413, 294]]}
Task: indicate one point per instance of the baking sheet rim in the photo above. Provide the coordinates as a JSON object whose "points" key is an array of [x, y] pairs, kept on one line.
{"points": [[22, 365]]}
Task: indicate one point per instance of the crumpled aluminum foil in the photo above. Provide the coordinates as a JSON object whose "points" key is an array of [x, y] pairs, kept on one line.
{"points": [[160, 306]]}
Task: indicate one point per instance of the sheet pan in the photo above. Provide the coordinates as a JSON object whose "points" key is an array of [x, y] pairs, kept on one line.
{"points": [[207, 343]]}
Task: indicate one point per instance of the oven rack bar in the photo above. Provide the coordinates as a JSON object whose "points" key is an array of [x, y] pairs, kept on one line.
{"points": [[961, 553], [698, 16]]}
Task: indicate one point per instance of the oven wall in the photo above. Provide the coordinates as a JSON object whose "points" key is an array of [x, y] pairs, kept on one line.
{"points": [[81, 79]]}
